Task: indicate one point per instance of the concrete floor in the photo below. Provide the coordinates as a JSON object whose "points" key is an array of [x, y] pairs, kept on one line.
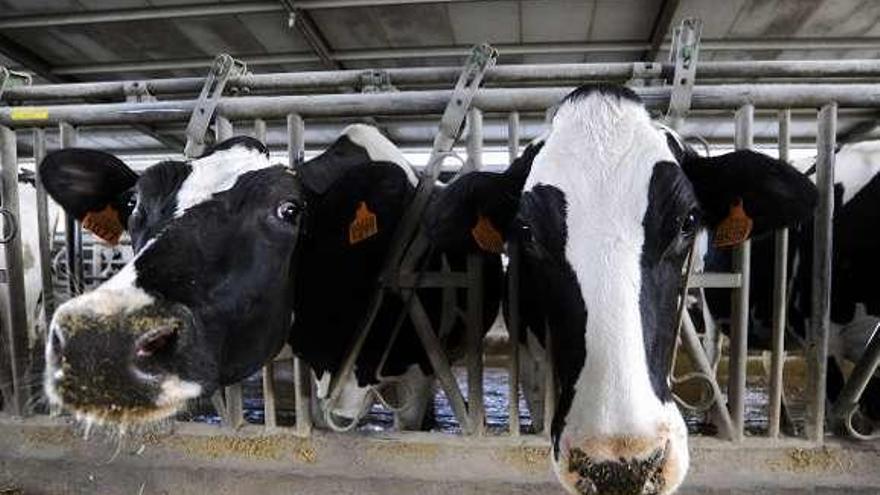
{"points": [[46, 456]]}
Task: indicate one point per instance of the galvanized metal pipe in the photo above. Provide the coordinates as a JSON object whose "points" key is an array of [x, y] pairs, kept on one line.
{"points": [[434, 102], [296, 139], [476, 409], [45, 240], [512, 136], [820, 320], [16, 323], [474, 143], [780, 297], [739, 346], [542, 74], [513, 332]]}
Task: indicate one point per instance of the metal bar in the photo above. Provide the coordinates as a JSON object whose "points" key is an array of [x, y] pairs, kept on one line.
{"points": [[45, 241], [222, 128], [512, 136], [296, 136], [269, 408], [434, 102], [434, 351], [444, 76], [739, 331], [303, 396], [780, 296], [476, 408], [260, 130], [234, 406], [16, 323], [848, 400], [820, 320], [709, 280], [691, 343], [474, 142], [513, 331]]}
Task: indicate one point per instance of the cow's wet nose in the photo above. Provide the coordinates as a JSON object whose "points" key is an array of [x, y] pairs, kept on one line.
{"points": [[622, 476]]}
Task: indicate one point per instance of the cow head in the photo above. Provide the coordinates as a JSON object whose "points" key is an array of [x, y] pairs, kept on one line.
{"points": [[200, 305], [613, 207]]}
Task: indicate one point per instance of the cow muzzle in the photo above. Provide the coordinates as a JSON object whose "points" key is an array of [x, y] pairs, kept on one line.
{"points": [[622, 466]]}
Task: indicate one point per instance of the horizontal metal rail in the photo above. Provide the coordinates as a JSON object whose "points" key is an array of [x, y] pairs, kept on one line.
{"points": [[543, 74], [433, 102]]}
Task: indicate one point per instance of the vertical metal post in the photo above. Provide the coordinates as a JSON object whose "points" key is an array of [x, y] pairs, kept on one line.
{"points": [[260, 130], [820, 321], [72, 228], [301, 373], [476, 409], [513, 329], [474, 143], [43, 229], [296, 135], [738, 368], [15, 324], [513, 267], [780, 297], [222, 128], [269, 403]]}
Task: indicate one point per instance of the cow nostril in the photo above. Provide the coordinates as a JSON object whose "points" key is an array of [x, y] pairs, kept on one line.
{"points": [[156, 341]]}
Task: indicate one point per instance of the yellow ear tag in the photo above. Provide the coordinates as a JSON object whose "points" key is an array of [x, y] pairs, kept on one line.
{"points": [[105, 224], [735, 229], [364, 225], [487, 236]]}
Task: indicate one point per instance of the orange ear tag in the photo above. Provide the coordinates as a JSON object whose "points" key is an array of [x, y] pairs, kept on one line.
{"points": [[735, 229], [487, 236], [364, 225], [104, 224]]}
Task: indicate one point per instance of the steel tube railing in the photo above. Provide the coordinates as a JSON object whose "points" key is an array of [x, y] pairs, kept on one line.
{"points": [[43, 227], [513, 324], [780, 297], [740, 307], [433, 102], [15, 324], [820, 320]]}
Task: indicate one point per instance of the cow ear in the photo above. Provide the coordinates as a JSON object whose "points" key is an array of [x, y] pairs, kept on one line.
{"points": [[92, 186], [478, 208], [745, 194]]}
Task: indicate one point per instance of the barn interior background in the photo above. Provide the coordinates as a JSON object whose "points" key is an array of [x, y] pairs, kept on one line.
{"points": [[126, 76]]}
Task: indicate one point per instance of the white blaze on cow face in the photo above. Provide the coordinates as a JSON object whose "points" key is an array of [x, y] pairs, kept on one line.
{"points": [[216, 173], [601, 155], [379, 148]]}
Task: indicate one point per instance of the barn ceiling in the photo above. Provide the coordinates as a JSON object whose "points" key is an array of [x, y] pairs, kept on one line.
{"points": [[92, 40]]}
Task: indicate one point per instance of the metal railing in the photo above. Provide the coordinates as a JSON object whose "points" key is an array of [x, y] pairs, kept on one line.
{"points": [[298, 109]]}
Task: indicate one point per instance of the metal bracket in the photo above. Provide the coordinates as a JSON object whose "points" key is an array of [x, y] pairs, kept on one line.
{"points": [[646, 74], [847, 404], [684, 54], [12, 78], [223, 68], [137, 92], [375, 81]]}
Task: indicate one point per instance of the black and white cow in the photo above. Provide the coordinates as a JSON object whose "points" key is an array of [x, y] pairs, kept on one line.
{"points": [[855, 299], [611, 207], [225, 247]]}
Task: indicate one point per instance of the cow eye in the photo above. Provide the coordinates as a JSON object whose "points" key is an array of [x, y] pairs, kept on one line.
{"points": [[689, 225], [288, 211]]}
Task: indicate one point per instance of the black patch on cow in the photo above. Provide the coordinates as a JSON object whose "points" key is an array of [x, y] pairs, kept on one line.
{"points": [[156, 193], [550, 295], [671, 200], [226, 259], [84, 180], [319, 173], [615, 90], [243, 141]]}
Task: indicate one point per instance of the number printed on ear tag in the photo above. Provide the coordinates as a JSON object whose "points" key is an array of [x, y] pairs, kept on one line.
{"points": [[487, 236], [364, 225], [735, 229], [105, 224]]}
